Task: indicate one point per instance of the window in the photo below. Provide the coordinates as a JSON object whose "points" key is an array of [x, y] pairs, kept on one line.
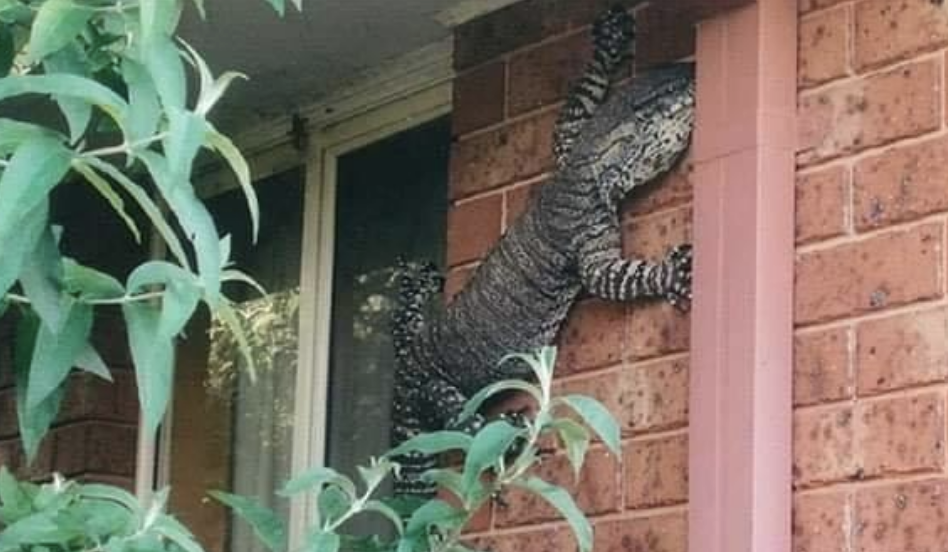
{"points": [[372, 188]]}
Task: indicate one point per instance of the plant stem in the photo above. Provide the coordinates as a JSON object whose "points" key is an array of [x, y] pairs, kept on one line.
{"points": [[123, 300]]}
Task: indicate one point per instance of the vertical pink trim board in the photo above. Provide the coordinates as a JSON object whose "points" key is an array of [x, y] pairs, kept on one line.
{"points": [[740, 405]]}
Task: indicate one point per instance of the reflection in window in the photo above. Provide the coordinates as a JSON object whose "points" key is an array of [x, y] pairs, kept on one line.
{"points": [[391, 203], [231, 429]]}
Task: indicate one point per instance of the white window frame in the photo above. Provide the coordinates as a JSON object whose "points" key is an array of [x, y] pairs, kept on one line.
{"points": [[409, 92]]}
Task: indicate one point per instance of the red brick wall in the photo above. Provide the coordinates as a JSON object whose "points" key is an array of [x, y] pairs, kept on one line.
{"points": [[871, 321], [514, 67]]}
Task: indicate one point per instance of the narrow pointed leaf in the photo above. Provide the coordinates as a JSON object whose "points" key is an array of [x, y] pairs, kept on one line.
{"points": [[474, 403], [434, 442], [323, 541], [55, 354], [153, 357], [115, 201], [13, 133], [388, 512], [57, 23], [597, 417], [89, 360], [434, 512], [575, 439], [144, 106], [163, 61], [37, 166], [41, 279], [33, 422], [78, 112], [66, 85], [88, 283], [16, 251], [488, 447], [7, 50], [266, 524], [564, 504], [180, 297], [226, 148], [314, 479]]}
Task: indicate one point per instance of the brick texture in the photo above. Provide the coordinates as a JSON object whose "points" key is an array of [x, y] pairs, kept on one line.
{"points": [[633, 358], [871, 214]]}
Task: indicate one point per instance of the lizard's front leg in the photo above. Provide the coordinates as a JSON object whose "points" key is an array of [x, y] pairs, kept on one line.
{"points": [[614, 278]]}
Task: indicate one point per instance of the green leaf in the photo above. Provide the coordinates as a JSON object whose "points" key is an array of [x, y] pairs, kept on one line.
{"points": [[278, 5], [144, 107], [77, 112], [153, 358], [541, 362], [373, 475], [226, 148], [178, 534], [7, 50], [144, 201], [333, 503], [474, 403], [234, 275], [490, 444], [111, 493], [41, 279], [33, 422], [66, 86], [180, 297], [88, 360], [323, 541], [15, 503], [564, 504], [57, 23], [89, 283], [265, 523], [186, 132], [575, 439], [16, 251], [314, 479], [55, 354], [194, 217], [36, 167], [32, 530], [158, 18], [163, 61], [13, 133], [434, 442], [434, 512], [388, 512], [597, 417], [102, 186], [199, 4]]}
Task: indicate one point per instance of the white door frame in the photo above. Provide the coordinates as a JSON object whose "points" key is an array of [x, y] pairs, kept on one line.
{"points": [[309, 438]]}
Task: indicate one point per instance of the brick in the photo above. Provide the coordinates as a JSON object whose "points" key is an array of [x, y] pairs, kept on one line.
{"points": [[904, 516], [473, 227], [481, 521], [657, 329], [901, 184], [821, 367], [657, 533], [824, 46], [479, 98], [656, 472], [902, 351], [654, 396], [887, 31], [8, 418], [663, 35], [821, 522], [110, 340], [90, 397], [543, 75], [516, 201], [596, 492], [650, 237], [810, 5], [539, 540], [593, 337], [521, 24], [671, 190], [869, 112], [821, 204], [823, 446], [901, 435], [887, 270], [513, 152], [94, 447], [12, 456]]}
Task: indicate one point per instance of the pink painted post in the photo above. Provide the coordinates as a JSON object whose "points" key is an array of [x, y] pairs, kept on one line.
{"points": [[740, 429]]}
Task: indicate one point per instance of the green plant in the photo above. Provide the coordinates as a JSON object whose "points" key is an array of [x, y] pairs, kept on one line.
{"points": [[499, 457], [65, 515], [131, 130]]}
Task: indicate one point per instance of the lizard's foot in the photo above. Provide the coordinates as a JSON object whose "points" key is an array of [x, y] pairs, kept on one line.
{"points": [[613, 32], [678, 277]]}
